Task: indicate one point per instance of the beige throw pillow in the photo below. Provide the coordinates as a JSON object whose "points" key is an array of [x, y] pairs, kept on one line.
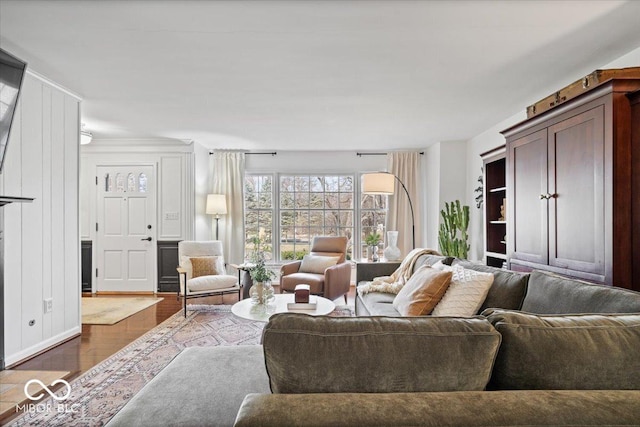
{"points": [[465, 295], [317, 264], [422, 291], [203, 266]]}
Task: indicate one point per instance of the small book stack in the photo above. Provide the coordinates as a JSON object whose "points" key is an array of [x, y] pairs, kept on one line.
{"points": [[301, 298]]}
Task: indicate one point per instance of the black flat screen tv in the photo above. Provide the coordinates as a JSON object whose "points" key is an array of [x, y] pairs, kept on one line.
{"points": [[11, 75]]}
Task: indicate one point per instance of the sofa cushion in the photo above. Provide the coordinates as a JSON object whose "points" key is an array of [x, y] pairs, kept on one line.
{"points": [[466, 293], [573, 352], [307, 354], [446, 409], [376, 304], [550, 293], [508, 288], [422, 292]]}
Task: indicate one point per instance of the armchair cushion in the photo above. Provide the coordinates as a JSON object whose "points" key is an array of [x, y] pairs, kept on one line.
{"points": [[211, 283], [317, 264], [206, 266], [315, 281], [187, 263]]}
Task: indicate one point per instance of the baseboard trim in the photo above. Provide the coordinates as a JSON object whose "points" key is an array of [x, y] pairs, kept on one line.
{"points": [[35, 350]]}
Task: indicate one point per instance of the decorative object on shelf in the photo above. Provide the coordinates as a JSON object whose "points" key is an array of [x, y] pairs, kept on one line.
{"points": [[216, 205], [479, 189], [384, 183], [372, 241], [503, 208], [392, 251], [453, 236]]}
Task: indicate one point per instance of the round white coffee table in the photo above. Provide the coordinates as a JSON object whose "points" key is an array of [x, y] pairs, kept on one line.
{"points": [[246, 310]]}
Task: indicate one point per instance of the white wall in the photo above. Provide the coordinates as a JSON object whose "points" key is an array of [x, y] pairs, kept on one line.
{"points": [[491, 138], [445, 182], [314, 161], [42, 245], [175, 178], [203, 222]]}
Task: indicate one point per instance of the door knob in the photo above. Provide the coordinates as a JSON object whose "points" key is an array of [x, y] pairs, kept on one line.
{"points": [[148, 239], [546, 196]]}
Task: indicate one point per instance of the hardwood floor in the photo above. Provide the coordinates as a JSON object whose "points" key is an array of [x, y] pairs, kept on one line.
{"points": [[98, 342]]}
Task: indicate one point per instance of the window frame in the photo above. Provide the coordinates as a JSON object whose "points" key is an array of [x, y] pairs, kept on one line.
{"points": [[357, 241]]}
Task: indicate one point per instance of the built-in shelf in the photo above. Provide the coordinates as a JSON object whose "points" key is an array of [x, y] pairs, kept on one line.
{"points": [[495, 194], [496, 255], [498, 190]]}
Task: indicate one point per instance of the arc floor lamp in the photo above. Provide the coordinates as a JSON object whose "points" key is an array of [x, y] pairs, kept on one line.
{"points": [[216, 205], [384, 183]]}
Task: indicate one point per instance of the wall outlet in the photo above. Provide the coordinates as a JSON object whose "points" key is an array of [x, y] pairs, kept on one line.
{"points": [[48, 305]]}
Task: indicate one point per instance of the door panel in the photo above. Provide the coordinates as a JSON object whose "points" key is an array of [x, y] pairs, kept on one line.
{"points": [[527, 219], [576, 179], [126, 219]]}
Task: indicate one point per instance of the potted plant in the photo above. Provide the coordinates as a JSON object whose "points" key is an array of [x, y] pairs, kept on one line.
{"points": [[453, 236], [372, 240], [261, 292]]}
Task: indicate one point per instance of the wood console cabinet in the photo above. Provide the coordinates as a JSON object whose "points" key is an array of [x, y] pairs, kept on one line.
{"points": [[570, 192]]}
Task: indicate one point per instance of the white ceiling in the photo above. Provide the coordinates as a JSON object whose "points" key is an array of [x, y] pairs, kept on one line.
{"points": [[334, 75]]}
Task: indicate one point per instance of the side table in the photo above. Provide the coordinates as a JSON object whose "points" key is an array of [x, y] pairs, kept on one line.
{"points": [[367, 270], [244, 277]]}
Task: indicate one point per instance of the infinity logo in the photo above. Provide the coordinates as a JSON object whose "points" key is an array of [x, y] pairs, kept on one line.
{"points": [[47, 389]]}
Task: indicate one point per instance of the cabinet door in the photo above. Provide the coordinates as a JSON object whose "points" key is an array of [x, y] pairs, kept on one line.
{"points": [[576, 184], [527, 213]]}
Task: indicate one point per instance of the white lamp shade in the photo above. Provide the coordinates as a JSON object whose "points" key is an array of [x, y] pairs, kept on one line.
{"points": [[216, 204], [378, 183]]}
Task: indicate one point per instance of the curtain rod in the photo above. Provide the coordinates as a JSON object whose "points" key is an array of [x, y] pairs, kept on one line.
{"points": [[379, 154], [273, 153]]}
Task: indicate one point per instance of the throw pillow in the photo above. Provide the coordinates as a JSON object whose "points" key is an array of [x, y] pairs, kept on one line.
{"points": [[205, 266], [466, 293], [317, 264], [422, 291]]}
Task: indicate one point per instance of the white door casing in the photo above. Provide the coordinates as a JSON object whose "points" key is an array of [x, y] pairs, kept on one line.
{"points": [[126, 228]]}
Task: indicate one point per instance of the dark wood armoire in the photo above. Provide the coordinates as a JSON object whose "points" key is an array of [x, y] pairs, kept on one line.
{"points": [[573, 185]]}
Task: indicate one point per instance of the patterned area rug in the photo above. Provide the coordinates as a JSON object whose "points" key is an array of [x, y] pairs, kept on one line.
{"points": [[98, 395]]}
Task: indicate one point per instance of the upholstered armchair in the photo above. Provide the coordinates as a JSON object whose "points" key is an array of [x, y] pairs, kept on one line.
{"points": [[325, 269], [203, 272]]}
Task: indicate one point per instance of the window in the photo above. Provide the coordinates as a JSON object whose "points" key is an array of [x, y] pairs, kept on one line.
{"points": [[258, 222], [284, 212], [314, 205], [373, 217]]}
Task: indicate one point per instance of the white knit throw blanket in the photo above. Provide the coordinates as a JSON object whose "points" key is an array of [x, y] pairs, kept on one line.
{"points": [[392, 284]]}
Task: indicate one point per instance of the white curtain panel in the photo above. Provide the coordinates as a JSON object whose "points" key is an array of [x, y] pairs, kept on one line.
{"points": [[407, 166], [227, 173]]}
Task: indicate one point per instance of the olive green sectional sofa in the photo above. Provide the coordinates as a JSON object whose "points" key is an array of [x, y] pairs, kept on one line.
{"points": [[543, 350]]}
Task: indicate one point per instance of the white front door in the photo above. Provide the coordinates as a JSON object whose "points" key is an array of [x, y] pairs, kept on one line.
{"points": [[126, 244]]}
